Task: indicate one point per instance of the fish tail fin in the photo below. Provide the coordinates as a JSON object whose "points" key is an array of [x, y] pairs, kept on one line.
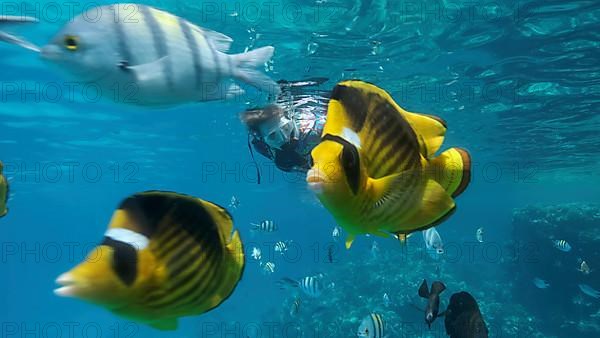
{"points": [[403, 238], [246, 65], [236, 249], [452, 170], [349, 239], [287, 283]]}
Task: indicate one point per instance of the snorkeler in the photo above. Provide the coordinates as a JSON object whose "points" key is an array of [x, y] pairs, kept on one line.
{"points": [[287, 130]]}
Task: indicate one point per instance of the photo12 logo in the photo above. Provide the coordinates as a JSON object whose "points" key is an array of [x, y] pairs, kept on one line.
{"points": [[71, 172], [36, 329]]}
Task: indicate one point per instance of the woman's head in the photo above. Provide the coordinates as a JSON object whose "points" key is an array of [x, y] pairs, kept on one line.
{"points": [[269, 123]]}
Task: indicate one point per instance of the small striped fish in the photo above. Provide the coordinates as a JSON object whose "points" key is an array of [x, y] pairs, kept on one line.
{"points": [[562, 245], [268, 268], [265, 226], [281, 247], [295, 307], [372, 326], [145, 56], [311, 286]]}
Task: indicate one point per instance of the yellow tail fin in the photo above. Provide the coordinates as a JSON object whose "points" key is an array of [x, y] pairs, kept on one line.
{"points": [[236, 249], [452, 170]]}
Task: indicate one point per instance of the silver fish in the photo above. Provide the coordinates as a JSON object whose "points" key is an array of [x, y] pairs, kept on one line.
{"points": [[479, 235], [295, 307], [588, 290], [540, 283], [433, 242], [584, 268], [234, 203], [336, 233], [145, 56], [256, 254], [386, 300], [372, 326]]}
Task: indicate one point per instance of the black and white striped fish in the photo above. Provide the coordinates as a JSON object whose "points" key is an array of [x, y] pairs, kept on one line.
{"points": [[145, 56], [281, 247], [265, 226], [311, 286], [562, 245], [372, 326]]}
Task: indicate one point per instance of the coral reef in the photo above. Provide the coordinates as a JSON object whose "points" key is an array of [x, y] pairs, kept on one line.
{"points": [[562, 307]]}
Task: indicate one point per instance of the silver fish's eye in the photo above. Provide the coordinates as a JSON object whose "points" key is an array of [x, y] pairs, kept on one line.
{"points": [[71, 42]]}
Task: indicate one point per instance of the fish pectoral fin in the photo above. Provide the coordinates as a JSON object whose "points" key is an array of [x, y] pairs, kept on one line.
{"points": [[433, 208], [430, 131], [168, 324], [349, 240], [147, 73], [386, 188]]}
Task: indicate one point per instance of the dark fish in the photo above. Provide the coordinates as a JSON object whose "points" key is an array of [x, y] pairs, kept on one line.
{"points": [[433, 300], [463, 318], [330, 253]]}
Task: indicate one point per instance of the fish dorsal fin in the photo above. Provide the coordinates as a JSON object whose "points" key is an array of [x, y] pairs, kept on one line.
{"points": [[430, 131], [337, 119], [219, 41], [424, 290], [388, 189], [154, 213], [388, 141]]}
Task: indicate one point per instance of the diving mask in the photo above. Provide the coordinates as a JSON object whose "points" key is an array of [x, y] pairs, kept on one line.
{"points": [[281, 133]]}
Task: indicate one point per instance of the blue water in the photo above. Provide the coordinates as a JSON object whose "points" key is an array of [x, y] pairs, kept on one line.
{"points": [[518, 83]]}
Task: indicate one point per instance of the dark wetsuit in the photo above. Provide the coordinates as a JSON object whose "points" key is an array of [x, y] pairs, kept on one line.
{"points": [[306, 105]]}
